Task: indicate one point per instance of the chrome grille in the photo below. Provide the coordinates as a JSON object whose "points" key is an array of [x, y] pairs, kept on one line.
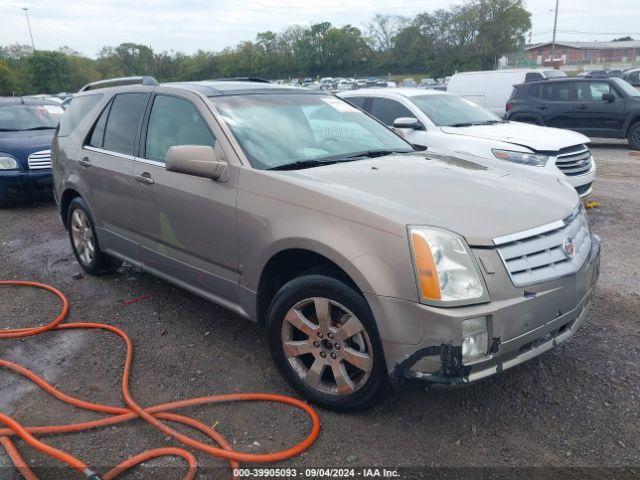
{"points": [[539, 254], [40, 160], [574, 161]]}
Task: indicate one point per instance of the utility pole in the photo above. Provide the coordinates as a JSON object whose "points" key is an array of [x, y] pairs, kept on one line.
{"points": [[26, 14], [553, 42]]}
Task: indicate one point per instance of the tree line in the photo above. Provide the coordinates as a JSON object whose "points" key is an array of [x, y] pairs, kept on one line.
{"points": [[468, 36]]}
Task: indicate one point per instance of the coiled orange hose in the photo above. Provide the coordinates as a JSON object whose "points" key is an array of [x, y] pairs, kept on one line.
{"points": [[156, 415]]}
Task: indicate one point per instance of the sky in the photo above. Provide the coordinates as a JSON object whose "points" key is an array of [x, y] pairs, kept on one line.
{"points": [[190, 25]]}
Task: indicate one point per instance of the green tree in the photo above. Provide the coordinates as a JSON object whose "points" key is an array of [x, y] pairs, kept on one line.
{"points": [[8, 80]]}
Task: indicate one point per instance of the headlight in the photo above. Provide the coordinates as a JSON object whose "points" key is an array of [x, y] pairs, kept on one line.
{"points": [[8, 163], [444, 268], [531, 159]]}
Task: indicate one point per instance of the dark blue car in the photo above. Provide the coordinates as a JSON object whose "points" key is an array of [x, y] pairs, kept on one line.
{"points": [[26, 132]]}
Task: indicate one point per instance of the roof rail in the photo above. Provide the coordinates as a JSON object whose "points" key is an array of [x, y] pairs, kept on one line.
{"points": [[242, 79], [105, 83]]}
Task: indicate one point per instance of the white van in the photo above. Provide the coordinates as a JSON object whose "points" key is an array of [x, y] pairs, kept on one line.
{"points": [[491, 89]]}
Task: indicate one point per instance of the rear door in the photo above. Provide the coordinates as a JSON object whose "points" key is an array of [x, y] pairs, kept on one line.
{"points": [[554, 103], [187, 224], [106, 167], [595, 116]]}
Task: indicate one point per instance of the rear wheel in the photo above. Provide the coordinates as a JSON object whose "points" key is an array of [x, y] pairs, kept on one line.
{"points": [[84, 240], [634, 136], [325, 342]]}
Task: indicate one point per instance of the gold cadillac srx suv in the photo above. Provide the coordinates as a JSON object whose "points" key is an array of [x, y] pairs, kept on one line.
{"points": [[368, 262]]}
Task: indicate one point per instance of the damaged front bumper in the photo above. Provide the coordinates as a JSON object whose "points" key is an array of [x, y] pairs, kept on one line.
{"points": [[425, 342]]}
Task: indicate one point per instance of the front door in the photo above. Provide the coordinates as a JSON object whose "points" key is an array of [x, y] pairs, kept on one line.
{"points": [[187, 224], [595, 116]]}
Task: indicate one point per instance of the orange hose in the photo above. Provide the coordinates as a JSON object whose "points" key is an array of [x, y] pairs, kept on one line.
{"points": [[155, 415]]}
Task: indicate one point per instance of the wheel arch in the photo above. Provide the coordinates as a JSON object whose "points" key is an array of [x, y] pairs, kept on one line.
{"points": [[65, 200], [293, 261], [635, 119]]}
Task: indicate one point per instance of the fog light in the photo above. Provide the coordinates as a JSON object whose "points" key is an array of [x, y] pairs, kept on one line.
{"points": [[475, 339]]}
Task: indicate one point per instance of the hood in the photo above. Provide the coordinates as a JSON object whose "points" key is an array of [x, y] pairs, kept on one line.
{"points": [[22, 144], [541, 139], [453, 193]]}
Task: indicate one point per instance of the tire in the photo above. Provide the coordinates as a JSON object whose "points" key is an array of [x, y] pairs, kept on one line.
{"points": [[319, 355], [84, 241], [634, 136]]}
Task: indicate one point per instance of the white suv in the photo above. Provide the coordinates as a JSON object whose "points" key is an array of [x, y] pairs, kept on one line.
{"points": [[446, 123]]}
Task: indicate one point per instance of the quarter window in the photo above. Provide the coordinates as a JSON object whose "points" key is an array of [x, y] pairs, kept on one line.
{"points": [[174, 121], [387, 110], [122, 124], [97, 134]]}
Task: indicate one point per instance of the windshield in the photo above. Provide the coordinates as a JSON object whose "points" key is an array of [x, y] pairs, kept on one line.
{"points": [[625, 87], [29, 117], [451, 110], [280, 129]]}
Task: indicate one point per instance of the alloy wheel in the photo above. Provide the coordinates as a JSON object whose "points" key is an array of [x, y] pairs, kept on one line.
{"points": [[82, 235], [327, 346]]}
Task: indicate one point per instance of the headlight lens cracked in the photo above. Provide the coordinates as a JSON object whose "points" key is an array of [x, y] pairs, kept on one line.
{"points": [[444, 268]]}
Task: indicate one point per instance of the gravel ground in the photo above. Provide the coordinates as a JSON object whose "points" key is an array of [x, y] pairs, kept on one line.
{"points": [[575, 406]]}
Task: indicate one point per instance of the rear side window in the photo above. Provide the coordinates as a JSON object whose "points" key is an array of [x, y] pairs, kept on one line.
{"points": [[357, 101], [387, 110], [77, 110], [556, 92], [123, 121], [174, 121]]}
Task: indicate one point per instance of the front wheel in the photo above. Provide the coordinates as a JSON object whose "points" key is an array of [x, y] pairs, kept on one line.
{"points": [[634, 136], [84, 240], [324, 340]]}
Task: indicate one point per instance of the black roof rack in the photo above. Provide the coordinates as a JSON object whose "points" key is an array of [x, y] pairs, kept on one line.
{"points": [[242, 79], [144, 80]]}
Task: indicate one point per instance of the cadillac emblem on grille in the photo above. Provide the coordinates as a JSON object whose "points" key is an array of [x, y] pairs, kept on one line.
{"points": [[568, 248]]}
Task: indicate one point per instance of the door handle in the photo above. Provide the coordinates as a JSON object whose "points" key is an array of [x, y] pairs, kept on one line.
{"points": [[542, 107], [145, 178], [582, 107], [85, 162]]}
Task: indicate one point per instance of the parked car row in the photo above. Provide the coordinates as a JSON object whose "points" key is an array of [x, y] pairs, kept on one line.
{"points": [[371, 255]]}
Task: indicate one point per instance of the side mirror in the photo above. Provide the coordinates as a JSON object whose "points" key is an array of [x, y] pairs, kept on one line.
{"points": [[196, 160], [408, 122], [608, 97]]}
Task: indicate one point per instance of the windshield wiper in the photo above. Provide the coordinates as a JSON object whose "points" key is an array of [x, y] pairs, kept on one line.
{"points": [[490, 122], [300, 164], [471, 124], [9, 130], [36, 128], [375, 153]]}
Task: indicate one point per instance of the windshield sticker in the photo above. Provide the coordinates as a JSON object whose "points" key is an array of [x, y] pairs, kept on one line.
{"points": [[339, 105]]}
